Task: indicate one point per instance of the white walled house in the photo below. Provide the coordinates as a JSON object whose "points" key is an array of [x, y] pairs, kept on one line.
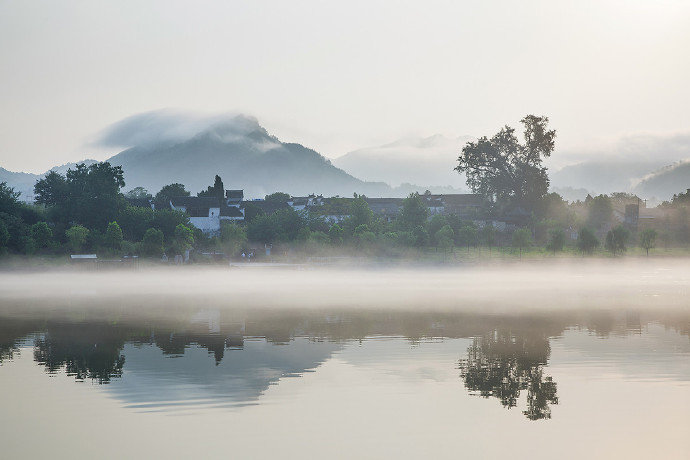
{"points": [[206, 213]]}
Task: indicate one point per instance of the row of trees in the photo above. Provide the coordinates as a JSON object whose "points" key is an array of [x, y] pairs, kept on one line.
{"points": [[84, 210], [120, 227]]}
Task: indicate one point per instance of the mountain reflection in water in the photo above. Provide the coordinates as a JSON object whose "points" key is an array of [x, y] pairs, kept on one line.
{"points": [[153, 360]]}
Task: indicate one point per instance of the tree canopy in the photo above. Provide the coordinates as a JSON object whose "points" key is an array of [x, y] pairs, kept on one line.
{"points": [[162, 199], [504, 170], [216, 190], [89, 195]]}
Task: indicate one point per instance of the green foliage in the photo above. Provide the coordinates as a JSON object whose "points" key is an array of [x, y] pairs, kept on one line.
{"points": [[599, 211], [152, 242], [89, 195], [504, 170], [587, 242], [216, 190], [282, 225], [184, 238], [648, 239], [336, 234], [77, 236], [616, 239], [360, 213], [139, 193], [52, 190], [556, 240], [9, 199], [414, 212], [487, 235], [162, 199], [522, 238], [363, 236], [232, 238], [41, 234], [278, 198], [467, 236], [436, 223], [263, 228], [444, 237], [554, 208], [4, 236], [420, 237], [167, 221], [288, 223], [113, 236], [134, 221], [251, 211]]}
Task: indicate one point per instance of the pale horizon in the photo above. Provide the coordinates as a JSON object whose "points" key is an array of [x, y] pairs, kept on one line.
{"points": [[337, 78]]}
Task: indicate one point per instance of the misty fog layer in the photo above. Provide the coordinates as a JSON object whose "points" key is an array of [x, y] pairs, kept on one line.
{"points": [[502, 288]]}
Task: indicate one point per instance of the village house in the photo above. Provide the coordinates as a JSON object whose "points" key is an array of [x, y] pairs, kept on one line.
{"points": [[300, 203], [206, 213]]}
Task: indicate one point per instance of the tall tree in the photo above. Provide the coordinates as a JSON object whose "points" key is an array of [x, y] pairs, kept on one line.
{"points": [[504, 170], [599, 211], [587, 241], [616, 239], [89, 195], [648, 239], [52, 190], [216, 190], [414, 212]]}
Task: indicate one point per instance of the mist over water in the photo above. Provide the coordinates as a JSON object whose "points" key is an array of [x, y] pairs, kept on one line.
{"points": [[507, 359], [500, 288]]}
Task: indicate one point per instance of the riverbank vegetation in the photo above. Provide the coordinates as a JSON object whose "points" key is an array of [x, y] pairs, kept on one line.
{"points": [[85, 211]]}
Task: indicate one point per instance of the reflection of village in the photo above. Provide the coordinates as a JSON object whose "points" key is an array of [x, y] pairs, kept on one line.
{"points": [[506, 356]]}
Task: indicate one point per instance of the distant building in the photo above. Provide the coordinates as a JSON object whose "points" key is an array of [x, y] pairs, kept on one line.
{"points": [[387, 208], [300, 203], [206, 213], [460, 204]]}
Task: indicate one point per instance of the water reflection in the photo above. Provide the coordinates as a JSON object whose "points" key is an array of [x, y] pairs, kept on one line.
{"points": [[502, 363], [152, 359]]}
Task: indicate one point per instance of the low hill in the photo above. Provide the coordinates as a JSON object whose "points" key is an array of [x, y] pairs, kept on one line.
{"points": [[666, 182], [246, 156]]}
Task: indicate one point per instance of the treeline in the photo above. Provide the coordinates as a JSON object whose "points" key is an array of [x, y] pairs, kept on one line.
{"points": [[85, 211]]}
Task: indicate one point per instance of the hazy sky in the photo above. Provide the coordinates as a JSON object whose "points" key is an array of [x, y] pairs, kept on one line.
{"points": [[337, 76]]}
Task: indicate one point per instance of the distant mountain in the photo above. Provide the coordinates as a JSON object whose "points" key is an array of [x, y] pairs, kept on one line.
{"points": [[602, 176], [428, 160], [21, 182], [246, 156], [620, 165], [666, 182]]}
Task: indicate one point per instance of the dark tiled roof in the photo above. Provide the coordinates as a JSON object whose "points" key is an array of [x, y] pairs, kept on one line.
{"points": [[268, 207], [196, 206], [459, 199], [386, 206], [234, 194], [230, 211]]}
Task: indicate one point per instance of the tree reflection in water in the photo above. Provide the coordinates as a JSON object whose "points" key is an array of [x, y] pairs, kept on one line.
{"points": [[502, 364], [92, 352]]}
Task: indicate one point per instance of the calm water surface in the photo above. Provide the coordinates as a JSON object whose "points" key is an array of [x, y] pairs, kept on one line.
{"points": [[127, 379]]}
